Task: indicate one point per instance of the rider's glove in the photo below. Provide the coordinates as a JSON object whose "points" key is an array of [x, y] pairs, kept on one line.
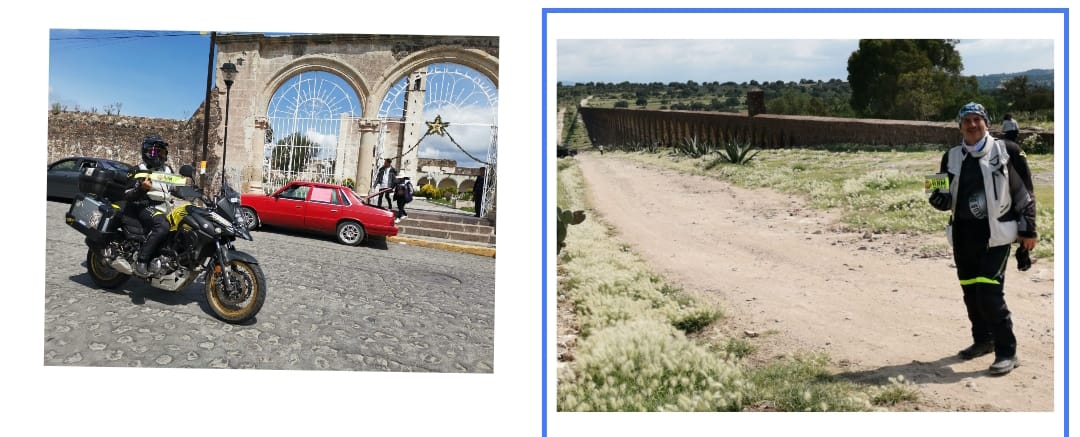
{"points": [[941, 201], [1023, 259]]}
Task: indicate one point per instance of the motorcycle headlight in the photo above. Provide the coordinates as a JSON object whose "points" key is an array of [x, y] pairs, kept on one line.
{"points": [[222, 220]]}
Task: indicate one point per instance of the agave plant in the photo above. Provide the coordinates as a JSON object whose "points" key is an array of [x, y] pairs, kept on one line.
{"points": [[738, 153], [693, 148]]}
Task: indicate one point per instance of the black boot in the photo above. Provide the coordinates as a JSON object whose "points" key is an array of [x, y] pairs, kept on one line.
{"points": [[977, 350], [1003, 365], [141, 270]]}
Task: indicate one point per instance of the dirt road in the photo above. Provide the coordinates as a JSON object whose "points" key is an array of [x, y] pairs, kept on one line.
{"points": [[784, 274]]}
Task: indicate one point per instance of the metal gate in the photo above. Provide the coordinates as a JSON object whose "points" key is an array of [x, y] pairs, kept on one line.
{"points": [[310, 136], [456, 99]]}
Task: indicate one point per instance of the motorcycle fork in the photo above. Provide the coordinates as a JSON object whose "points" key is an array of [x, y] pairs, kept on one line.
{"points": [[223, 264]]}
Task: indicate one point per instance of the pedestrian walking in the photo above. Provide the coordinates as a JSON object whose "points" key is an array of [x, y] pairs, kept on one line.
{"points": [[403, 194], [384, 179]]}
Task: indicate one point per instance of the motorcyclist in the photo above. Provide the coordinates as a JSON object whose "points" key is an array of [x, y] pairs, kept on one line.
{"points": [[151, 213]]}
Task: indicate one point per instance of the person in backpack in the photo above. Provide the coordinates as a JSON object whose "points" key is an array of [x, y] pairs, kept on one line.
{"points": [[403, 193], [992, 201], [151, 213]]}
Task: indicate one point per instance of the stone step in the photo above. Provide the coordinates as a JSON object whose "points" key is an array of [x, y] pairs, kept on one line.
{"points": [[409, 230], [448, 218], [448, 227], [440, 225]]}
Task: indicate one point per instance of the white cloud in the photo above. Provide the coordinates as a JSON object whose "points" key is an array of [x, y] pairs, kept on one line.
{"points": [[707, 60], [322, 139], [470, 127], [991, 56]]}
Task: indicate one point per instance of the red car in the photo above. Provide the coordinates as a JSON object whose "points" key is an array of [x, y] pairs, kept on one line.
{"points": [[318, 207]]}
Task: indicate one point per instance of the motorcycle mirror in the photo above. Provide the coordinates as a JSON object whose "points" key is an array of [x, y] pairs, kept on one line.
{"points": [[187, 170]]}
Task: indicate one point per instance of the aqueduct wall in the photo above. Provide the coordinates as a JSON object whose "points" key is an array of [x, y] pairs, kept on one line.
{"points": [[645, 127]]}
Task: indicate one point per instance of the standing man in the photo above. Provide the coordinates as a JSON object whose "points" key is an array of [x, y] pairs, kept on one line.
{"points": [[478, 192], [992, 201], [385, 179]]}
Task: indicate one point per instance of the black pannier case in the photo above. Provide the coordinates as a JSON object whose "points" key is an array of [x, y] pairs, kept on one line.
{"points": [[99, 182], [91, 216]]}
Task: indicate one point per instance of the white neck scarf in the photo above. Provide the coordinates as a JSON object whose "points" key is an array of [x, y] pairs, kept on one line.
{"points": [[977, 146]]}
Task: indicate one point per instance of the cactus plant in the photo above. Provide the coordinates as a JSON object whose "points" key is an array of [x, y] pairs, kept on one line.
{"points": [[565, 218]]}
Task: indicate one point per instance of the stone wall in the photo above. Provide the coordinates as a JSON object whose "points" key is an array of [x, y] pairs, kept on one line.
{"points": [[645, 127], [119, 137]]}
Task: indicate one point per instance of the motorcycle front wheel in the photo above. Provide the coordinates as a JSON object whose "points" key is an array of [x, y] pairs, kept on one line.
{"points": [[236, 293], [102, 273]]}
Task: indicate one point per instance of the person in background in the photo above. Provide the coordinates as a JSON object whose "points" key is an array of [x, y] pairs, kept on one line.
{"points": [[385, 179], [1011, 128], [992, 201], [478, 192], [403, 193]]}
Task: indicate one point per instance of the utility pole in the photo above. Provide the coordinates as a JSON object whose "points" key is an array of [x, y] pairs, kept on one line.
{"points": [[206, 112]]}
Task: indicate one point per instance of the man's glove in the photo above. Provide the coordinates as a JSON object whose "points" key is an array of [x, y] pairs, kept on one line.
{"points": [[941, 201], [1023, 259]]}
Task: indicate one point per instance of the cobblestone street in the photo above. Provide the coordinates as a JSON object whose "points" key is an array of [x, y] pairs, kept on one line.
{"points": [[376, 307]]}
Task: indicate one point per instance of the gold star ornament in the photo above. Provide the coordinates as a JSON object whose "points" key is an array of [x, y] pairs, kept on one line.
{"points": [[437, 127]]}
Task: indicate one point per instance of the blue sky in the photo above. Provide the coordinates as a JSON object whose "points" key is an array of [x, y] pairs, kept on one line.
{"points": [[162, 74], [705, 60], [157, 74]]}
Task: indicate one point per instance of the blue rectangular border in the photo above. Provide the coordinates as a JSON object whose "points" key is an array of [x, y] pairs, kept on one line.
{"points": [[544, 142]]}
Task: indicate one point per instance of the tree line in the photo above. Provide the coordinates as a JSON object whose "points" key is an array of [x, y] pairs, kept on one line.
{"points": [[892, 79]]}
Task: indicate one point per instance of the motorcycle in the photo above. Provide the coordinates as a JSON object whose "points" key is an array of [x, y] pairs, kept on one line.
{"points": [[199, 244]]}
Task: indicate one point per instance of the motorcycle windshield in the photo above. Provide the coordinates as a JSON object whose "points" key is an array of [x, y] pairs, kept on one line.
{"points": [[228, 203]]}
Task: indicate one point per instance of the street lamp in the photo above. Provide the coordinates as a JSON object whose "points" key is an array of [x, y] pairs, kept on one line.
{"points": [[228, 72]]}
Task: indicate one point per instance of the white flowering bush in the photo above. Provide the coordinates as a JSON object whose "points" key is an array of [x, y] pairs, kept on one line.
{"points": [[647, 365]]}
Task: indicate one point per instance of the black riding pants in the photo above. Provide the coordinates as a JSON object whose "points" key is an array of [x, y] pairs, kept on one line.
{"points": [[981, 271], [154, 221]]}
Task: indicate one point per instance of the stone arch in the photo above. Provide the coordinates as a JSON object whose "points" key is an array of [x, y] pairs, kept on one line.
{"points": [[317, 63], [447, 183], [477, 60]]}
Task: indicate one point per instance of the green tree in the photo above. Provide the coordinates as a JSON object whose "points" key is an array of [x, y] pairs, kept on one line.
{"points": [[1015, 91], [881, 71], [292, 152]]}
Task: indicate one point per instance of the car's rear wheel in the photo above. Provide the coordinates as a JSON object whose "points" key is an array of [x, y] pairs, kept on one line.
{"points": [[350, 232], [248, 218]]}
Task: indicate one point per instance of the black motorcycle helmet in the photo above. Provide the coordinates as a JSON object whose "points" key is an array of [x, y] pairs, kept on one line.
{"points": [[154, 151]]}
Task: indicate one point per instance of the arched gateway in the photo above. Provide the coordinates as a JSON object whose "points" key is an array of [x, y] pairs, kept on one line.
{"points": [[330, 107]]}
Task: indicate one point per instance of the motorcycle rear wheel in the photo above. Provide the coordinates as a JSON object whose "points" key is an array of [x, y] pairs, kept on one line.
{"points": [[237, 293], [101, 273]]}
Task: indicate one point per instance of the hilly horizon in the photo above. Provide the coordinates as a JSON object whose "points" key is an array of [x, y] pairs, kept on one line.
{"points": [[1037, 77]]}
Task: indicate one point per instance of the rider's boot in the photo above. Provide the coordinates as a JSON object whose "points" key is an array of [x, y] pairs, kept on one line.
{"points": [[141, 270]]}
